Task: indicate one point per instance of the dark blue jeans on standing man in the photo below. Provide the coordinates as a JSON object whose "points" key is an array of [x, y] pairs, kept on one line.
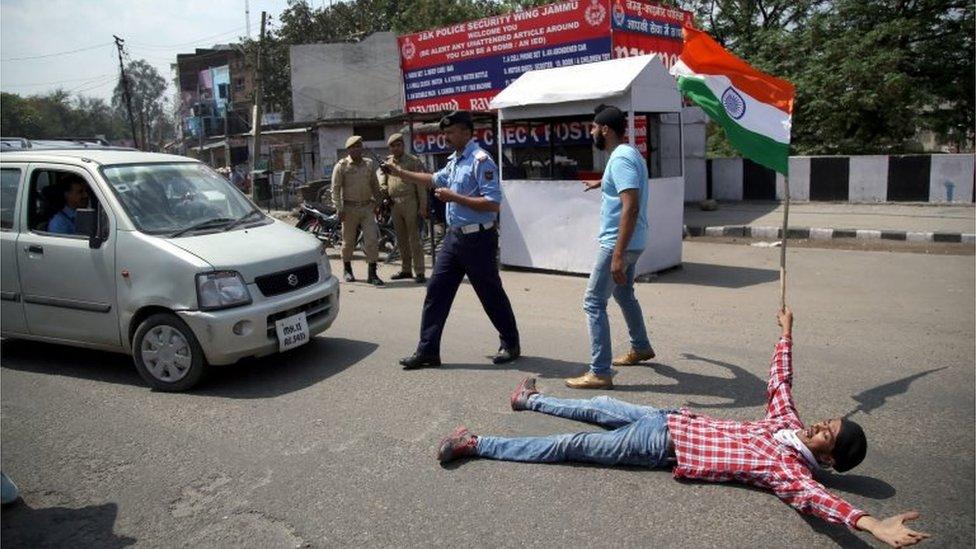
{"points": [[475, 255]]}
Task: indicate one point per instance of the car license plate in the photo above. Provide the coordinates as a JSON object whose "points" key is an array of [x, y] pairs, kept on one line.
{"points": [[292, 331]]}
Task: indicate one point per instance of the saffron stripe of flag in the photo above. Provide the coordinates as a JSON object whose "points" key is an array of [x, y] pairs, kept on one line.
{"points": [[754, 108]]}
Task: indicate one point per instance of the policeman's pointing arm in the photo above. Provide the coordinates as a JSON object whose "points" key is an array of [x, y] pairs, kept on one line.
{"points": [[417, 178]]}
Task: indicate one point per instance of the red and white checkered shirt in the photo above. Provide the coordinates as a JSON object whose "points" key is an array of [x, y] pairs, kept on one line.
{"points": [[722, 451]]}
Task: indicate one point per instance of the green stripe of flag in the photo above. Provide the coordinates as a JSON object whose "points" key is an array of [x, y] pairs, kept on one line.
{"points": [[754, 146]]}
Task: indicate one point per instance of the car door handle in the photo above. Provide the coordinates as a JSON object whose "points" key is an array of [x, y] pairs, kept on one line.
{"points": [[34, 249]]}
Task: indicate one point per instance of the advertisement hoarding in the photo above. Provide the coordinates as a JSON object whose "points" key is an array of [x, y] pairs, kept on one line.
{"points": [[640, 28]]}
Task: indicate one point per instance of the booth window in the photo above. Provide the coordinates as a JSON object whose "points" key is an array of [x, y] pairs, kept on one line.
{"points": [[562, 148], [552, 149]]}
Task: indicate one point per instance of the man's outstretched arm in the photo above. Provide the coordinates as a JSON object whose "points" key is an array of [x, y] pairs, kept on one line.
{"points": [[892, 530], [417, 178], [779, 391], [809, 496]]}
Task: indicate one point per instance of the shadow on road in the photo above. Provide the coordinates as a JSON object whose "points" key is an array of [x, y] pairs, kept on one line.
{"points": [[90, 526], [874, 398], [721, 276], [265, 377], [276, 375], [860, 485], [61, 360], [839, 534], [743, 389]]}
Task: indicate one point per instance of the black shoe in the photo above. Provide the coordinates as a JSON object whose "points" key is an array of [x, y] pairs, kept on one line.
{"points": [[506, 355], [402, 275], [372, 277], [347, 268], [417, 361], [420, 279]]}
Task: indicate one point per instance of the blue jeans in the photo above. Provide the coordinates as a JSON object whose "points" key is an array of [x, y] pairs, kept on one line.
{"points": [[598, 292], [639, 435]]}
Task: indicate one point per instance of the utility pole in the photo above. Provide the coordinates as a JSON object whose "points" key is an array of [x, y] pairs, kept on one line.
{"points": [[258, 100], [125, 91], [247, 17]]}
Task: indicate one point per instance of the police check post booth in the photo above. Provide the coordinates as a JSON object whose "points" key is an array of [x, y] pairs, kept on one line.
{"points": [[548, 222]]}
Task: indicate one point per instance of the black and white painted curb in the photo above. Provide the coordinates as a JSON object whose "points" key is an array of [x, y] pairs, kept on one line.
{"points": [[748, 231]]}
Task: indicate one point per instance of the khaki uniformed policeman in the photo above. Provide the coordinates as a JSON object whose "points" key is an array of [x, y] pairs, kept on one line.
{"points": [[356, 192], [408, 200]]}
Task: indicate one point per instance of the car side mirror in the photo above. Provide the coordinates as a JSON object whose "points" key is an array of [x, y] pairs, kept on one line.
{"points": [[86, 223]]}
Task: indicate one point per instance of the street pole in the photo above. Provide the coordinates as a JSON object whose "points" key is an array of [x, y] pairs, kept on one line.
{"points": [[227, 111], [125, 91], [258, 100], [782, 248]]}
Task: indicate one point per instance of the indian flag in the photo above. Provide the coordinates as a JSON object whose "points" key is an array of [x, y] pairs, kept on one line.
{"points": [[754, 108]]}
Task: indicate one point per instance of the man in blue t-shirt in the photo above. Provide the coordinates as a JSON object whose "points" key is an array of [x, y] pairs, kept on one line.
{"points": [[623, 234], [75, 198]]}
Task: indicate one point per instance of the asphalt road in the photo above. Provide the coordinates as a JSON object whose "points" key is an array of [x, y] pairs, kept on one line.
{"points": [[333, 445]]}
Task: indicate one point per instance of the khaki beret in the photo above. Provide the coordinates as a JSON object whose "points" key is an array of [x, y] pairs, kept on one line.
{"points": [[353, 141], [395, 137]]}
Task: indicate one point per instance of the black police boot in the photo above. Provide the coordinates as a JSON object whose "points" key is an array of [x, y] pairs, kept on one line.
{"points": [[373, 278], [417, 361], [347, 268], [506, 354]]}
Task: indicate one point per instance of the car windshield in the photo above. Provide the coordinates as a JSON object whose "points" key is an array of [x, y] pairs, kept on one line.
{"points": [[177, 198]]}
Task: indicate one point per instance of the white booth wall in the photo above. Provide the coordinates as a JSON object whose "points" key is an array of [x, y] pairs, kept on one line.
{"points": [[553, 225]]}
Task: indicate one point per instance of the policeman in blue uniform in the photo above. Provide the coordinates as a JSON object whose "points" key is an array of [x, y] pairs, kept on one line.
{"points": [[469, 185]]}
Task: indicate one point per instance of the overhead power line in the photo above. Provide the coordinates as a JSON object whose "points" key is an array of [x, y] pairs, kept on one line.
{"points": [[87, 78], [56, 54], [185, 44]]}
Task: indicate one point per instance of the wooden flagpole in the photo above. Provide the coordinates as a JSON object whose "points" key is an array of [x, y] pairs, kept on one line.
{"points": [[782, 250]]}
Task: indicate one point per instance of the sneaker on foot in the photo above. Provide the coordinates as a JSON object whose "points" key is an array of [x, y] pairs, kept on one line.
{"points": [[634, 357], [520, 397], [589, 380], [402, 275], [461, 443]]}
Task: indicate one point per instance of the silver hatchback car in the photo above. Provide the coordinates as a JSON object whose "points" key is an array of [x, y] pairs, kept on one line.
{"points": [[153, 255]]}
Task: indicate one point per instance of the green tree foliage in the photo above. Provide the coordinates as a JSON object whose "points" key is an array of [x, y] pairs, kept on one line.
{"points": [[147, 89], [58, 115], [869, 73]]}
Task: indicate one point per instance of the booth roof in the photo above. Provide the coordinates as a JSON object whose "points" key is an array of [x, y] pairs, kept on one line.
{"points": [[654, 89]]}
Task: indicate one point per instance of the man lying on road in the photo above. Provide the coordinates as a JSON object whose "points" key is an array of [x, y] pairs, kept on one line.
{"points": [[777, 453]]}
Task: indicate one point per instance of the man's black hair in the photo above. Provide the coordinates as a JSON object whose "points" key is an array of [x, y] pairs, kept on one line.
{"points": [[850, 447], [614, 118]]}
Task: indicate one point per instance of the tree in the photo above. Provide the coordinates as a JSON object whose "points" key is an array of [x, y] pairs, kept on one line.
{"points": [[57, 115], [147, 89], [869, 73]]}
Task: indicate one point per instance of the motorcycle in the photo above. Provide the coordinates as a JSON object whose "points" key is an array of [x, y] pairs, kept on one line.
{"points": [[323, 222], [325, 226]]}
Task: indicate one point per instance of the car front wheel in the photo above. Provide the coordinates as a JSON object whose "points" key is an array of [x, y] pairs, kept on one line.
{"points": [[167, 354]]}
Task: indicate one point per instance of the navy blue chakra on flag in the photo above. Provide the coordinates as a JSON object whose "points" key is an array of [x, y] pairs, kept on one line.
{"points": [[734, 104]]}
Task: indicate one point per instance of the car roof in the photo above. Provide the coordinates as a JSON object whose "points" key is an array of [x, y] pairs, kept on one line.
{"points": [[102, 156]]}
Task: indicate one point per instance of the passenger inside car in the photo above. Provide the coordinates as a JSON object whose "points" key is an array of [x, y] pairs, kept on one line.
{"points": [[75, 193]]}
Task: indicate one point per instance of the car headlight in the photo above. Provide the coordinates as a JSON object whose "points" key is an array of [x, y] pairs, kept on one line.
{"points": [[221, 290]]}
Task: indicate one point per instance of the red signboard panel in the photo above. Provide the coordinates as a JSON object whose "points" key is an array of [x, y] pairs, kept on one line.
{"points": [[465, 65]]}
